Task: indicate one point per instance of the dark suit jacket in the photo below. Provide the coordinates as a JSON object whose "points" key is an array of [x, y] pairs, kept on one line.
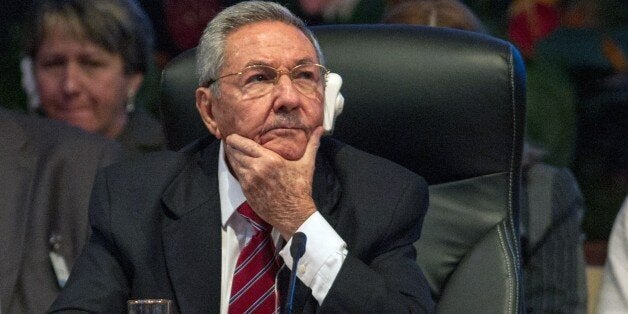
{"points": [[552, 241], [46, 175], [142, 134], [156, 234]]}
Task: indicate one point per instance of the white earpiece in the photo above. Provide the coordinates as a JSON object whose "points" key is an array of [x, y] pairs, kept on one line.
{"points": [[334, 102]]}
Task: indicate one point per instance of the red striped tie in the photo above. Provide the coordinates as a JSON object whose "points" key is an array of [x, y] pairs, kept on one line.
{"points": [[253, 288]]}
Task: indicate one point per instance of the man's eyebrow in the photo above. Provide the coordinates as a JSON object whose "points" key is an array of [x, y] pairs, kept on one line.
{"points": [[257, 62], [262, 62], [305, 60]]}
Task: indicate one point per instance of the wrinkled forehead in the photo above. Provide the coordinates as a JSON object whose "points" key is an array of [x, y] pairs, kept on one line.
{"points": [[270, 42]]}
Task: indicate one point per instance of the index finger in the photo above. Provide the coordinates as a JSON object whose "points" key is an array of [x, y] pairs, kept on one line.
{"points": [[313, 143], [244, 145]]}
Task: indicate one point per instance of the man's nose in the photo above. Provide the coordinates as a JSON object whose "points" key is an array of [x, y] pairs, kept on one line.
{"points": [[287, 97]]}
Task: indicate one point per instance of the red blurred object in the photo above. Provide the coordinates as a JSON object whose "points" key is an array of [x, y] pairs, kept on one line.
{"points": [[531, 22], [186, 20]]}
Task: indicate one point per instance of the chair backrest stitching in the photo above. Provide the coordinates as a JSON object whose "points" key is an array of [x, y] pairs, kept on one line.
{"points": [[502, 242], [512, 158]]}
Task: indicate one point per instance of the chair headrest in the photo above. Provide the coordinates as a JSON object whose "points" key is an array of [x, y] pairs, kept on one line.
{"points": [[445, 103]]}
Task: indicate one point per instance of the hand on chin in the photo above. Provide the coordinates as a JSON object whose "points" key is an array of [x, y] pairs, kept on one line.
{"points": [[288, 143]]}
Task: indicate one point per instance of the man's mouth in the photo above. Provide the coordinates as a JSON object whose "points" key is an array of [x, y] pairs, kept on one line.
{"points": [[279, 131]]}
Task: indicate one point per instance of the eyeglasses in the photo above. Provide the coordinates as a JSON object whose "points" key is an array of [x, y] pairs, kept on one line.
{"points": [[258, 80]]}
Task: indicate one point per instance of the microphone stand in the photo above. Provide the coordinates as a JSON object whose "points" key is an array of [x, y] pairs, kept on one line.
{"points": [[297, 249]]}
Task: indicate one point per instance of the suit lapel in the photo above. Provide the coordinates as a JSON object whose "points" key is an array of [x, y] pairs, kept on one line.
{"points": [[18, 163], [192, 234], [326, 188]]}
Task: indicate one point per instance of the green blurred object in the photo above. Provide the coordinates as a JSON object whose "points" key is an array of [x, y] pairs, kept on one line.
{"points": [[551, 112], [601, 107]]}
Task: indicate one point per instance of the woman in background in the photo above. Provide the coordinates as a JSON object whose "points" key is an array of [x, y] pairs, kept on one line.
{"points": [[89, 59]]}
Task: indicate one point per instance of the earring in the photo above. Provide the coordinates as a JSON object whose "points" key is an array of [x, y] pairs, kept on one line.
{"points": [[130, 102]]}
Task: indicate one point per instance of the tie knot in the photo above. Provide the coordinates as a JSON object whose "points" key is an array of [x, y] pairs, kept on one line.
{"points": [[258, 223]]}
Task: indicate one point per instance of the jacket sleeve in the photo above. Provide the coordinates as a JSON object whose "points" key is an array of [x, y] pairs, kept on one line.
{"points": [[555, 265], [389, 280], [97, 282]]}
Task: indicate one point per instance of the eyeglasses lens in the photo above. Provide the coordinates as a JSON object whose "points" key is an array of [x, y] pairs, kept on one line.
{"points": [[259, 80]]}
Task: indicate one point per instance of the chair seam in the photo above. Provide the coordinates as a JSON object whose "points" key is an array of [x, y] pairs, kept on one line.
{"points": [[512, 156], [508, 275]]}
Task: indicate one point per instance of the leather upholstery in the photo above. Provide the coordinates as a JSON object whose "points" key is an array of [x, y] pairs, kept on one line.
{"points": [[444, 103]]}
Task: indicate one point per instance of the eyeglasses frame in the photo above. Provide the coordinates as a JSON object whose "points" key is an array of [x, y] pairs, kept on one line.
{"points": [[325, 71]]}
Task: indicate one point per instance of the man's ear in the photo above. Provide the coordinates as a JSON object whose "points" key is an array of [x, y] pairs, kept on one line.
{"points": [[204, 103]]}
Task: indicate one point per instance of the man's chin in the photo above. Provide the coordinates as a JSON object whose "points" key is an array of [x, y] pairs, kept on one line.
{"points": [[289, 148]]}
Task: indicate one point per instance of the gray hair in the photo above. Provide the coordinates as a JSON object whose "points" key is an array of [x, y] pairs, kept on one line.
{"points": [[119, 26], [210, 54]]}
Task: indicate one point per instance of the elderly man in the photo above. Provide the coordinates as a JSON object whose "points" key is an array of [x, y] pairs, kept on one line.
{"points": [[172, 225]]}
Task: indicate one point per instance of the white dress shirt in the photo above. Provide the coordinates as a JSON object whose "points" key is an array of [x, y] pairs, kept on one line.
{"points": [[613, 295], [324, 254]]}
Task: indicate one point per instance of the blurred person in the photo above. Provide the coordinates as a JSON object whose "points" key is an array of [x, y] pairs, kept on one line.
{"points": [[178, 24], [552, 238], [181, 225], [316, 12], [613, 296], [46, 173], [530, 21], [552, 204], [590, 47], [493, 14], [438, 13], [89, 59], [565, 45], [551, 115]]}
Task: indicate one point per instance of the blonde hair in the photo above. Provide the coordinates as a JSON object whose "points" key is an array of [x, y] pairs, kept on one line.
{"points": [[119, 26]]}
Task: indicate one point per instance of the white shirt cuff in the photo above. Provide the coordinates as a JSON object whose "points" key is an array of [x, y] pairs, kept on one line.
{"points": [[325, 251]]}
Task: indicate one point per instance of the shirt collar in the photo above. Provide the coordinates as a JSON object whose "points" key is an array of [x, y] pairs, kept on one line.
{"points": [[231, 195]]}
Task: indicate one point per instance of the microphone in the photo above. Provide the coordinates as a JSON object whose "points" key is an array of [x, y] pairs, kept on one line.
{"points": [[297, 249]]}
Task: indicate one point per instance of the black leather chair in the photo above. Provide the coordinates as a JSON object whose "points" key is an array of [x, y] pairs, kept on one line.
{"points": [[446, 104]]}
